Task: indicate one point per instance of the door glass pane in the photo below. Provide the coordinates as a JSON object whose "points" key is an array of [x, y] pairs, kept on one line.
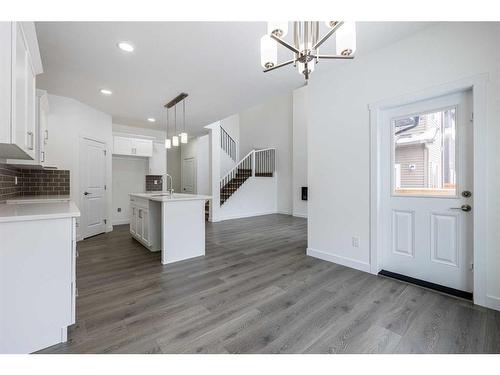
{"points": [[424, 160]]}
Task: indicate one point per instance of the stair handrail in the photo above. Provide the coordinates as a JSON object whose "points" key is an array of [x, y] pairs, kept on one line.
{"points": [[237, 165], [228, 144]]}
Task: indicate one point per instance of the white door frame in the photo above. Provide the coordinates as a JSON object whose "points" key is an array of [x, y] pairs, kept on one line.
{"points": [[81, 188], [478, 85]]}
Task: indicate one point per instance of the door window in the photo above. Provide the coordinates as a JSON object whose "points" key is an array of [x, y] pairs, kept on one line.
{"points": [[424, 154]]}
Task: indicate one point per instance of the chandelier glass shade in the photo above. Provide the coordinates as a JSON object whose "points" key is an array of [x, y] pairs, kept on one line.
{"points": [[305, 44], [181, 137], [175, 141]]}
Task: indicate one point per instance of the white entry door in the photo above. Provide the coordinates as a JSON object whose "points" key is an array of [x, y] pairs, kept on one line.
{"points": [[189, 176], [92, 187], [426, 191]]}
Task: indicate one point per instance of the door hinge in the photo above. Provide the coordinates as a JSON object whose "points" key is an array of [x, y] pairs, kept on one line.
{"points": [[105, 221], [105, 187], [472, 266], [104, 152]]}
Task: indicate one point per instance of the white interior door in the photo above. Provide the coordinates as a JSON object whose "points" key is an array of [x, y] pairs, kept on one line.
{"points": [[189, 176], [93, 188], [426, 191]]}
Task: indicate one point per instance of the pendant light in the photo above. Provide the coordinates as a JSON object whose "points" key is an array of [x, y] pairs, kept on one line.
{"points": [[168, 143], [183, 135], [175, 138]]}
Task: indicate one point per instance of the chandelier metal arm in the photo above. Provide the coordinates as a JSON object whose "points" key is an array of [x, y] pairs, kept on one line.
{"points": [[339, 57], [285, 44], [328, 34], [279, 65]]}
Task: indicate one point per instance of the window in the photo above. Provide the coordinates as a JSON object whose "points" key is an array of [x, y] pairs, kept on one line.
{"points": [[424, 159]]}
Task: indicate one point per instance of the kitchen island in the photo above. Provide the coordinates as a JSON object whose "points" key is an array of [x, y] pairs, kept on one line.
{"points": [[171, 223]]}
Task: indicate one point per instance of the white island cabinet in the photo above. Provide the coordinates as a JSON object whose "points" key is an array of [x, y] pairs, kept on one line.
{"points": [[37, 274], [174, 224]]}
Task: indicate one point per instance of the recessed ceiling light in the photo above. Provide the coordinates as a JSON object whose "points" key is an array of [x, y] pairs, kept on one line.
{"points": [[125, 46], [106, 92], [151, 119]]}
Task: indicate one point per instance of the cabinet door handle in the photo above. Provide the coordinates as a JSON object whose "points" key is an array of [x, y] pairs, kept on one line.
{"points": [[140, 214], [46, 135], [32, 142], [43, 156]]}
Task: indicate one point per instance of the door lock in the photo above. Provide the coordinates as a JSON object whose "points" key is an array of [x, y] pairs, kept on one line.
{"points": [[466, 194], [464, 207]]}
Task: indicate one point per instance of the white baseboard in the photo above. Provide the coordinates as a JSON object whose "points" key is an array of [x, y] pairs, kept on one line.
{"points": [[242, 216], [493, 302], [348, 262], [121, 221], [284, 212], [296, 214]]}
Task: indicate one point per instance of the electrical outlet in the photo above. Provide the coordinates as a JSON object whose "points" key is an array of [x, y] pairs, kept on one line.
{"points": [[355, 242], [119, 209], [15, 180], [155, 182]]}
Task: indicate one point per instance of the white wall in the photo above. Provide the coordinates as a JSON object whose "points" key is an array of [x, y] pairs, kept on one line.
{"points": [[203, 166], [270, 125], [338, 147], [68, 121], [299, 155], [174, 167], [128, 177], [257, 196]]}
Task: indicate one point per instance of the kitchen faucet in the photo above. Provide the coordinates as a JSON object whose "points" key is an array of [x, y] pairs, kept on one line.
{"points": [[164, 184]]}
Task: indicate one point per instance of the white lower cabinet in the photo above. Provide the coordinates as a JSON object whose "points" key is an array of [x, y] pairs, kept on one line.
{"points": [[37, 283], [145, 222]]}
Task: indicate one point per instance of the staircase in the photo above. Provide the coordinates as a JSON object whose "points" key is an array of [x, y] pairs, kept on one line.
{"points": [[257, 163]]}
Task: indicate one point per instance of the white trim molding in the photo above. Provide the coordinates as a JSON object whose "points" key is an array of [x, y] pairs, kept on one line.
{"points": [[344, 261], [478, 85]]}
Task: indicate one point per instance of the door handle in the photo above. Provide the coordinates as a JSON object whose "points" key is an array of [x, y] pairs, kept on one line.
{"points": [[464, 207], [86, 193]]}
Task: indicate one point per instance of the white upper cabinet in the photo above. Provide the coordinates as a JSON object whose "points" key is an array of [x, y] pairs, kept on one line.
{"points": [[158, 162], [132, 146], [19, 64]]}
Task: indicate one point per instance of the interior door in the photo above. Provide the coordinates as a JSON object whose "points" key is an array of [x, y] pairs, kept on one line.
{"points": [[189, 175], [93, 174], [427, 195]]}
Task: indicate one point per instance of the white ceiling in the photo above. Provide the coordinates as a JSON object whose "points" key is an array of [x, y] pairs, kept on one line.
{"points": [[216, 63]]}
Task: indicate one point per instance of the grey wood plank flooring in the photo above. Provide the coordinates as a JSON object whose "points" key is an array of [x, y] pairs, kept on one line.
{"points": [[256, 291]]}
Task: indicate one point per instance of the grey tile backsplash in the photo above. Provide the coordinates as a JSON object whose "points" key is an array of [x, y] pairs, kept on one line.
{"points": [[151, 185], [8, 188], [32, 182]]}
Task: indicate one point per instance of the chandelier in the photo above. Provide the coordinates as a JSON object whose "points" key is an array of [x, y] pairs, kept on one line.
{"points": [[181, 136], [305, 44]]}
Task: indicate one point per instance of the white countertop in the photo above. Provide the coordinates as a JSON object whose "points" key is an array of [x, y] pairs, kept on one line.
{"points": [[38, 199], [37, 211], [164, 197]]}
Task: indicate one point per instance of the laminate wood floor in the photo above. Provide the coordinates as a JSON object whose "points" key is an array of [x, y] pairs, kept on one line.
{"points": [[256, 291]]}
